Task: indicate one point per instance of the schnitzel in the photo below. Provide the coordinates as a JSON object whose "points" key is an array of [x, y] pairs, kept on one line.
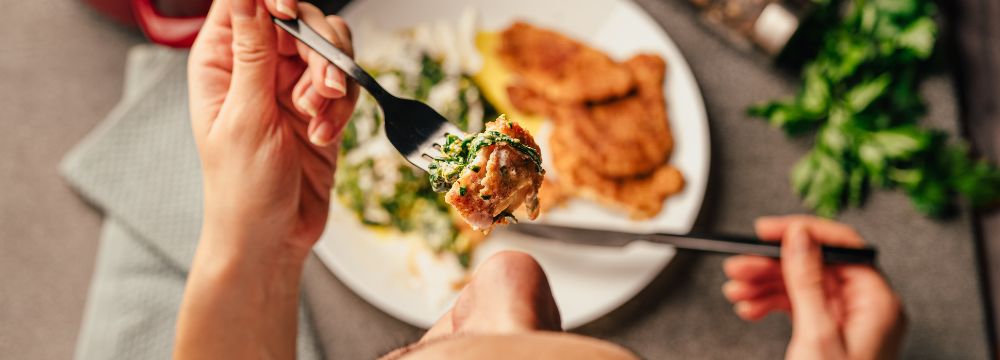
{"points": [[625, 136], [613, 151], [559, 68], [611, 140], [640, 196]]}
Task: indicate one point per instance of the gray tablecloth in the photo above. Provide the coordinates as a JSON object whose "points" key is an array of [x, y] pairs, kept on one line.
{"points": [[932, 264], [141, 169], [155, 186]]}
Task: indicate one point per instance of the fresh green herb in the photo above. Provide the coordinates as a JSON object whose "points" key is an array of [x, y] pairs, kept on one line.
{"points": [[384, 190], [860, 95], [465, 259], [462, 190], [431, 73], [457, 153]]}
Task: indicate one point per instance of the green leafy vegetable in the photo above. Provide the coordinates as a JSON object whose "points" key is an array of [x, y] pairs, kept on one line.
{"points": [[859, 94], [457, 153], [382, 189]]}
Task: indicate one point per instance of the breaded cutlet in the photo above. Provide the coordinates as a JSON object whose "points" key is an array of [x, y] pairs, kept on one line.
{"points": [[640, 196], [624, 137], [559, 68]]}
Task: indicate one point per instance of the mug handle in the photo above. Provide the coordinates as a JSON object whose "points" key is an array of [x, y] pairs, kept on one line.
{"points": [[176, 32]]}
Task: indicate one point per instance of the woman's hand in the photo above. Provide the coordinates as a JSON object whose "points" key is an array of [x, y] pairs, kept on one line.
{"points": [[267, 113], [838, 312]]}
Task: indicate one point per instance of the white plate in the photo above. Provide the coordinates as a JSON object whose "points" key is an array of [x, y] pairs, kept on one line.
{"points": [[587, 282]]}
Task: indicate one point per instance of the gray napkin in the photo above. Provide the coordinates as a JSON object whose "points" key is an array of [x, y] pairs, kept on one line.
{"points": [[140, 167]]}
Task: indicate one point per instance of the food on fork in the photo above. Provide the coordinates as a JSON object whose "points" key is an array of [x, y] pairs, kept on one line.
{"points": [[490, 174], [559, 68]]}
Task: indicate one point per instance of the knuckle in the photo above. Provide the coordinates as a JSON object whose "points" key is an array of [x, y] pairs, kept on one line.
{"points": [[341, 26], [336, 22], [251, 50]]}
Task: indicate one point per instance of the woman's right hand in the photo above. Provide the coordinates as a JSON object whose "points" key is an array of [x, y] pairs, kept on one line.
{"points": [[838, 312]]}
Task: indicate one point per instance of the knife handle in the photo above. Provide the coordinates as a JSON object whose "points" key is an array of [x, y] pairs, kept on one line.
{"points": [[728, 244]]}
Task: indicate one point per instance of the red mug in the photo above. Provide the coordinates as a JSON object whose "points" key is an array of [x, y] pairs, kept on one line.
{"points": [[173, 23]]}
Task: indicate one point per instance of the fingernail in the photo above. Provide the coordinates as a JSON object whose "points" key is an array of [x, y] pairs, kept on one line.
{"points": [[333, 81], [322, 134], [306, 104], [286, 7], [741, 307], [727, 288]]}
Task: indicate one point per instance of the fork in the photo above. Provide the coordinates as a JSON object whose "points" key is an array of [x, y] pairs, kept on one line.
{"points": [[411, 126]]}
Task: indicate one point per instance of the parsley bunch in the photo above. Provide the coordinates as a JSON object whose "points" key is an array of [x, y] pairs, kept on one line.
{"points": [[860, 96]]}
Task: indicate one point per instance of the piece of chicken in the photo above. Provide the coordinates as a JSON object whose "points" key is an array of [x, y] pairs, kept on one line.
{"points": [[503, 173]]}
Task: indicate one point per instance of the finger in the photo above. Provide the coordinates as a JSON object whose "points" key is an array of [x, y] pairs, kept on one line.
{"points": [[307, 101], [286, 43], [336, 113], [874, 312], [802, 267], [283, 9], [823, 230], [343, 32], [254, 56], [206, 96], [323, 132], [757, 309], [328, 80], [752, 268], [290, 72], [736, 291], [219, 15], [863, 282]]}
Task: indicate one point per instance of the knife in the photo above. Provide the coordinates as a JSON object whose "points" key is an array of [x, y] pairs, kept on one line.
{"points": [[725, 244]]}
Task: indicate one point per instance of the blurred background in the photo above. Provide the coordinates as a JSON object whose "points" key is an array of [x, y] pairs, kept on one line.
{"points": [[63, 66]]}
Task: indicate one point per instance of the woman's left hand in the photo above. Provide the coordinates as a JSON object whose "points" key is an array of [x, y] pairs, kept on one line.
{"points": [[267, 113]]}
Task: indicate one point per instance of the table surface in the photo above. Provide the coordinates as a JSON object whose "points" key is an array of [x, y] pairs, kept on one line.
{"points": [[56, 83], [49, 236]]}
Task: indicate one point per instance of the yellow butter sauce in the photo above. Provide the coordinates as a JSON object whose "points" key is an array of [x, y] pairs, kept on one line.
{"points": [[493, 78]]}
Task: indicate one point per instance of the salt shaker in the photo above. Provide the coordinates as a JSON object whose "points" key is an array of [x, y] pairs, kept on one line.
{"points": [[770, 26]]}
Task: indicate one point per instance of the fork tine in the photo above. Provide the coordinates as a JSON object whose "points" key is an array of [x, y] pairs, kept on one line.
{"points": [[417, 157]]}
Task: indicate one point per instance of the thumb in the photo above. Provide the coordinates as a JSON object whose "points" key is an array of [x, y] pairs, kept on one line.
{"points": [[255, 52], [802, 268]]}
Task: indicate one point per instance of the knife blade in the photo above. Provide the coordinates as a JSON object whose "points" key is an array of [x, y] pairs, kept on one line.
{"points": [[716, 243]]}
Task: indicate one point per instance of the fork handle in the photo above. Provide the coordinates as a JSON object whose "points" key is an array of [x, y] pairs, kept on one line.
{"points": [[302, 31]]}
